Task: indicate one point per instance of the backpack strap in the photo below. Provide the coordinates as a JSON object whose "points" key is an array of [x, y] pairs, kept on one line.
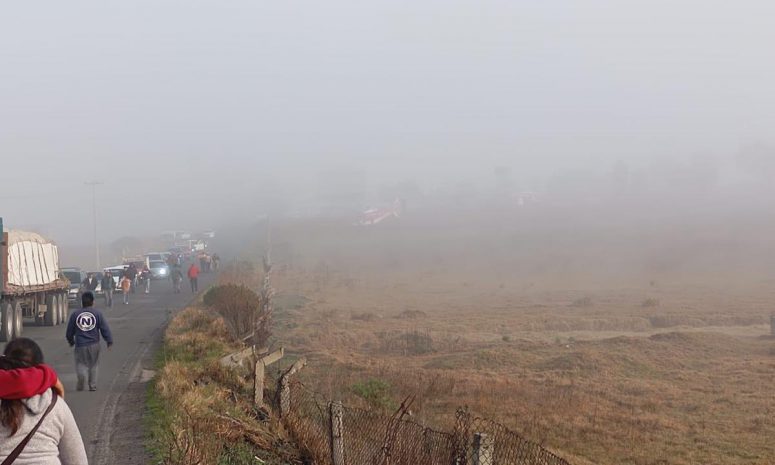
{"points": [[18, 450]]}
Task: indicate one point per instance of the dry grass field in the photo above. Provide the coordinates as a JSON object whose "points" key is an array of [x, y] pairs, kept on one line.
{"points": [[609, 344]]}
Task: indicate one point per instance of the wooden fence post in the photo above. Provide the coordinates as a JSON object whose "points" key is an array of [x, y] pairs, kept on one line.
{"points": [[285, 396], [462, 437], [258, 378], [484, 449], [258, 384], [337, 433], [285, 386], [772, 325]]}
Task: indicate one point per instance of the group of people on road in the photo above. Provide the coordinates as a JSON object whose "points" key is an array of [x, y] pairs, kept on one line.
{"points": [[208, 263], [36, 425], [132, 278]]}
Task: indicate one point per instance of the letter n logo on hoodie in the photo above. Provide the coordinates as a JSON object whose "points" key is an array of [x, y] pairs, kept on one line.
{"points": [[86, 321]]}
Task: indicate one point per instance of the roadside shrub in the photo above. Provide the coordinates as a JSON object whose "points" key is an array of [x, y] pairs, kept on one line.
{"points": [[239, 272], [411, 314], [650, 303], [408, 343], [365, 316], [376, 393], [582, 302], [241, 311]]}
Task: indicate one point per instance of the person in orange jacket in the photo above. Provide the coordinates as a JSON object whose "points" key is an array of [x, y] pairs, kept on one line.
{"points": [[193, 276], [126, 286]]}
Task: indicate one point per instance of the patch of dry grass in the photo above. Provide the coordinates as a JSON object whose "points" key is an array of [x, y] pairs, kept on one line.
{"points": [[649, 370], [201, 412]]}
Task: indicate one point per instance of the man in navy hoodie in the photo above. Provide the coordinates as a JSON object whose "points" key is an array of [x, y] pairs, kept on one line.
{"points": [[83, 331]]}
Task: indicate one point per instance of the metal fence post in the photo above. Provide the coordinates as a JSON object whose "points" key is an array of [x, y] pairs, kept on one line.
{"points": [[337, 433], [484, 448]]}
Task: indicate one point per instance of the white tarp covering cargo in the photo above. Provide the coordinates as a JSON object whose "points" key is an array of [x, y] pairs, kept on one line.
{"points": [[32, 259]]}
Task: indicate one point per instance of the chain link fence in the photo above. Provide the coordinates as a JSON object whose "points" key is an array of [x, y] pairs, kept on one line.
{"points": [[335, 434]]}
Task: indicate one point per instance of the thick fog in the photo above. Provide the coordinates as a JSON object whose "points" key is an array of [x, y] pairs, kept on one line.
{"points": [[194, 114]]}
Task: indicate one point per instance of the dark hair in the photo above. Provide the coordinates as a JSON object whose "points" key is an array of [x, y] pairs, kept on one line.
{"points": [[19, 353], [87, 299], [24, 350]]}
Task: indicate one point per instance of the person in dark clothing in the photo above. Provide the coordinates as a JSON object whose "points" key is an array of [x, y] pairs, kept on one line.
{"points": [[131, 273], [108, 286], [145, 278], [173, 260], [177, 278], [90, 283], [83, 331]]}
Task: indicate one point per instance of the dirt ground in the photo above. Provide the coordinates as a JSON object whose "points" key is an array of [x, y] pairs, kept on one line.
{"points": [[609, 338]]}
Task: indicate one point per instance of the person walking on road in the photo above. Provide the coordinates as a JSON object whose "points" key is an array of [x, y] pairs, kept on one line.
{"points": [[107, 288], [131, 272], [177, 279], [83, 331], [126, 287], [89, 283], [145, 278], [193, 276], [39, 429]]}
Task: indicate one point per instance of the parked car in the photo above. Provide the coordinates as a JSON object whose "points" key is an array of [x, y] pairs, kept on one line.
{"points": [[159, 269], [76, 277]]}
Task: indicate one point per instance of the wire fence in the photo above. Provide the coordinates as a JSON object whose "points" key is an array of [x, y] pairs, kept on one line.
{"points": [[334, 434]]}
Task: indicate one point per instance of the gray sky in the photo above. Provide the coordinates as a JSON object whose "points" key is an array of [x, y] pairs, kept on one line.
{"points": [[165, 98]]}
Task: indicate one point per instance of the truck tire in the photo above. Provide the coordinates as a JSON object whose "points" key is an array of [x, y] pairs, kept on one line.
{"points": [[51, 303], [6, 321], [60, 310], [65, 309], [38, 317], [51, 317], [18, 320]]}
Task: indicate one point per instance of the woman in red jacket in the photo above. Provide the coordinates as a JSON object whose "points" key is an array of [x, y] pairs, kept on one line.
{"points": [[23, 383]]}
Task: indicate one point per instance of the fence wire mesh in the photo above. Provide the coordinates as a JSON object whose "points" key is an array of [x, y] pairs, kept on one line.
{"points": [[486, 442], [308, 418], [340, 435]]}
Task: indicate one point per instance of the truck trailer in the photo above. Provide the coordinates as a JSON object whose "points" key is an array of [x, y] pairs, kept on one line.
{"points": [[31, 284]]}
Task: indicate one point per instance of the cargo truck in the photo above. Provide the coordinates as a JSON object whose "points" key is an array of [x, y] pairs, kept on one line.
{"points": [[31, 283]]}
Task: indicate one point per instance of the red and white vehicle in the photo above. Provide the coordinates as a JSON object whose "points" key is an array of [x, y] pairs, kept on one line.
{"points": [[374, 216]]}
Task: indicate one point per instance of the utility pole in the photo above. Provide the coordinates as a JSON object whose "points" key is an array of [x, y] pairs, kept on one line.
{"points": [[94, 185]]}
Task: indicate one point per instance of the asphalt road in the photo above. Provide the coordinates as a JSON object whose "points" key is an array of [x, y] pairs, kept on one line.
{"points": [[103, 416]]}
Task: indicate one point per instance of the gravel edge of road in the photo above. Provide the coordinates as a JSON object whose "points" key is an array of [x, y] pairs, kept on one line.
{"points": [[121, 428]]}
